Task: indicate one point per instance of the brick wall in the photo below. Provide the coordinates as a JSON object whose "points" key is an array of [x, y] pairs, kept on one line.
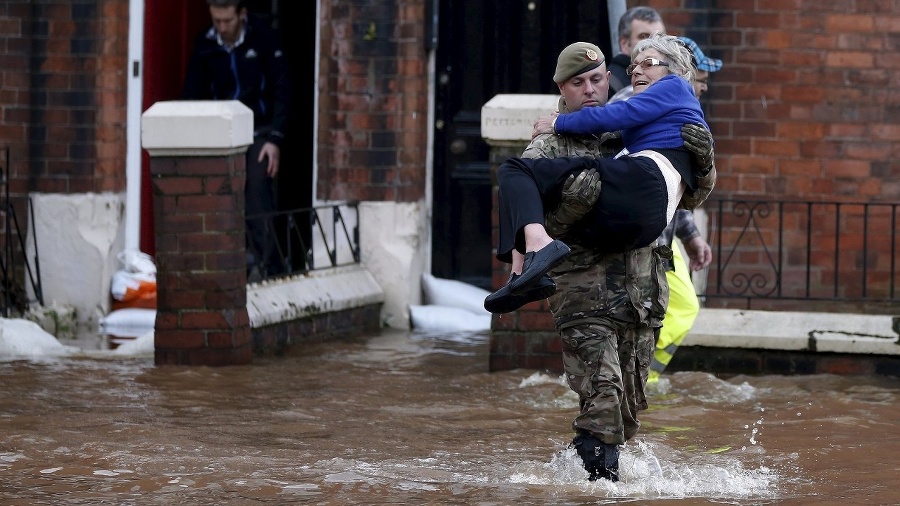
{"points": [[525, 338], [804, 109], [63, 95], [373, 101], [201, 316], [805, 105]]}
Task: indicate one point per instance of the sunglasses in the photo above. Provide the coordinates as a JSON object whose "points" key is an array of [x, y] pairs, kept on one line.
{"points": [[645, 64]]}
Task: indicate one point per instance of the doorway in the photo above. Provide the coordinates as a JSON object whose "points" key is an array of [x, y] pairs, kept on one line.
{"points": [[169, 32], [484, 49]]}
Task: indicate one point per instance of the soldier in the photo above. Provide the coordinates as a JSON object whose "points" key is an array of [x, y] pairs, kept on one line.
{"points": [[608, 307]]}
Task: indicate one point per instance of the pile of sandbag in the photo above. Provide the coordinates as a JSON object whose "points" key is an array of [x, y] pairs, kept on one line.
{"points": [[133, 290], [134, 285]]}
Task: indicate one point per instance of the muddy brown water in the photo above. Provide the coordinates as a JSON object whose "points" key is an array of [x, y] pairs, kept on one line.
{"points": [[416, 418]]}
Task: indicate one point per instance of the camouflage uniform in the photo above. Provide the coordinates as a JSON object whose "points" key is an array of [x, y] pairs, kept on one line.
{"points": [[608, 309]]}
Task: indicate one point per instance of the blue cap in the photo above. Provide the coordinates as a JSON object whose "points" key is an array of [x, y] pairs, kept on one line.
{"points": [[702, 61]]}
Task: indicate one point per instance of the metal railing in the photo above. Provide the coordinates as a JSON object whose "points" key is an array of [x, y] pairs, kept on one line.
{"points": [[297, 241], [814, 256], [775, 255], [14, 263]]}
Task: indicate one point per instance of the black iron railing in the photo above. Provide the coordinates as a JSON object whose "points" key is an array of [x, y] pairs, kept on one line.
{"points": [[300, 240], [14, 264], [809, 255]]}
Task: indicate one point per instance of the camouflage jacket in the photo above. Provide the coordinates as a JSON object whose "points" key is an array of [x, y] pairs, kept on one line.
{"points": [[628, 286], [705, 184]]}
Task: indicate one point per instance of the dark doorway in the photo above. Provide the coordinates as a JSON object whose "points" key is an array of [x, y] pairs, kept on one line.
{"points": [[170, 29], [484, 49]]}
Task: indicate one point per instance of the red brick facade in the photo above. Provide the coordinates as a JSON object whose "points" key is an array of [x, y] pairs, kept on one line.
{"points": [[63, 95], [804, 107], [373, 112], [805, 104], [202, 316]]}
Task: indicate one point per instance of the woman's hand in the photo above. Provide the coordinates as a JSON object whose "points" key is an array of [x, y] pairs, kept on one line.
{"points": [[544, 125]]}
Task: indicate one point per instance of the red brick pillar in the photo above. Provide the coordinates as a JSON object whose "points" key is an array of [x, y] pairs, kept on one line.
{"points": [[525, 338], [197, 171]]}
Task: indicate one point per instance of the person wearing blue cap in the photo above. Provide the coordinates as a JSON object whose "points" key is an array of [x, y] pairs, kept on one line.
{"points": [[703, 64]]}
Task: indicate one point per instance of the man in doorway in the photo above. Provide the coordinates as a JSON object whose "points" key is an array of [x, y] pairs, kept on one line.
{"points": [[241, 58]]}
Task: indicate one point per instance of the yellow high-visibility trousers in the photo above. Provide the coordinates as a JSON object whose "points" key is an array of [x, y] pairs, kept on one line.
{"points": [[680, 314]]}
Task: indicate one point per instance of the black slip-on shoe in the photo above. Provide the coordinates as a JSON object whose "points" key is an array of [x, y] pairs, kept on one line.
{"points": [[537, 264], [504, 301]]}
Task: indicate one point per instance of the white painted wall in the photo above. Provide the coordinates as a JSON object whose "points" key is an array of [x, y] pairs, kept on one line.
{"points": [[395, 250], [77, 239]]}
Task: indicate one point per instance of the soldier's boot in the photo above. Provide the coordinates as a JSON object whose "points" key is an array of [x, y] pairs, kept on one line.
{"points": [[601, 460]]}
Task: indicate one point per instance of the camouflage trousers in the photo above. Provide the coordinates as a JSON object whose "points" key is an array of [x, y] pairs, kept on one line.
{"points": [[606, 363]]}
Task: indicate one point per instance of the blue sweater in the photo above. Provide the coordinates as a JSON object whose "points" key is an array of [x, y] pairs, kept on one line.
{"points": [[651, 119]]}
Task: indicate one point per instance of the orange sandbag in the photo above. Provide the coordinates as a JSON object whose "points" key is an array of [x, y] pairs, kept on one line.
{"points": [[134, 289]]}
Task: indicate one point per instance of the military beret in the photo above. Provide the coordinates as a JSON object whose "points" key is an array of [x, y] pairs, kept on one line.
{"points": [[576, 59]]}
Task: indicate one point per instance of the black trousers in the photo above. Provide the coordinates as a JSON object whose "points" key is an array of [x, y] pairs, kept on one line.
{"points": [[630, 213], [259, 200]]}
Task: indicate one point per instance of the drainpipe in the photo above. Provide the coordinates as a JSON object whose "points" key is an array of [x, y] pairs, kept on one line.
{"points": [[133, 128], [615, 9]]}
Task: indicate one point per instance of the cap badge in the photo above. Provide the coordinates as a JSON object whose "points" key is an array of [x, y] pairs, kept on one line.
{"points": [[591, 54]]}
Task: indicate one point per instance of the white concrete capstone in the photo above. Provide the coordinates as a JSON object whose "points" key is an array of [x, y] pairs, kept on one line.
{"points": [[196, 128], [512, 117], [796, 331]]}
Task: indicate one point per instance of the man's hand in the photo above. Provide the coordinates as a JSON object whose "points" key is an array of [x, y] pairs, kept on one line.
{"points": [[544, 125], [579, 194], [273, 153], [699, 252], [699, 141]]}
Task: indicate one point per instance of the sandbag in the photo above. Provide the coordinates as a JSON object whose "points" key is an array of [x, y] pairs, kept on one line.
{"points": [[435, 318], [134, 285], [452, 293]]}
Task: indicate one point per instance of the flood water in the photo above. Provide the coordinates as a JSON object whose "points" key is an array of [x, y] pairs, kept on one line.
{"points": [[408, 418]]}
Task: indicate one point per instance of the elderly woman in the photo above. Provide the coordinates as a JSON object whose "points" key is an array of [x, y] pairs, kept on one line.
{"points": [[627, 200]]}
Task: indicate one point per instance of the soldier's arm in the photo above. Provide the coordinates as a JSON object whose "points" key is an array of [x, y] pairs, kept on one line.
{"points": [[540, 147], [579, 195], [700, 142]]}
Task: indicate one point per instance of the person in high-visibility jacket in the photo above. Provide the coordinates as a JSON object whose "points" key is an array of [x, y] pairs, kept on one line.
{"points": [[683, 303]]}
